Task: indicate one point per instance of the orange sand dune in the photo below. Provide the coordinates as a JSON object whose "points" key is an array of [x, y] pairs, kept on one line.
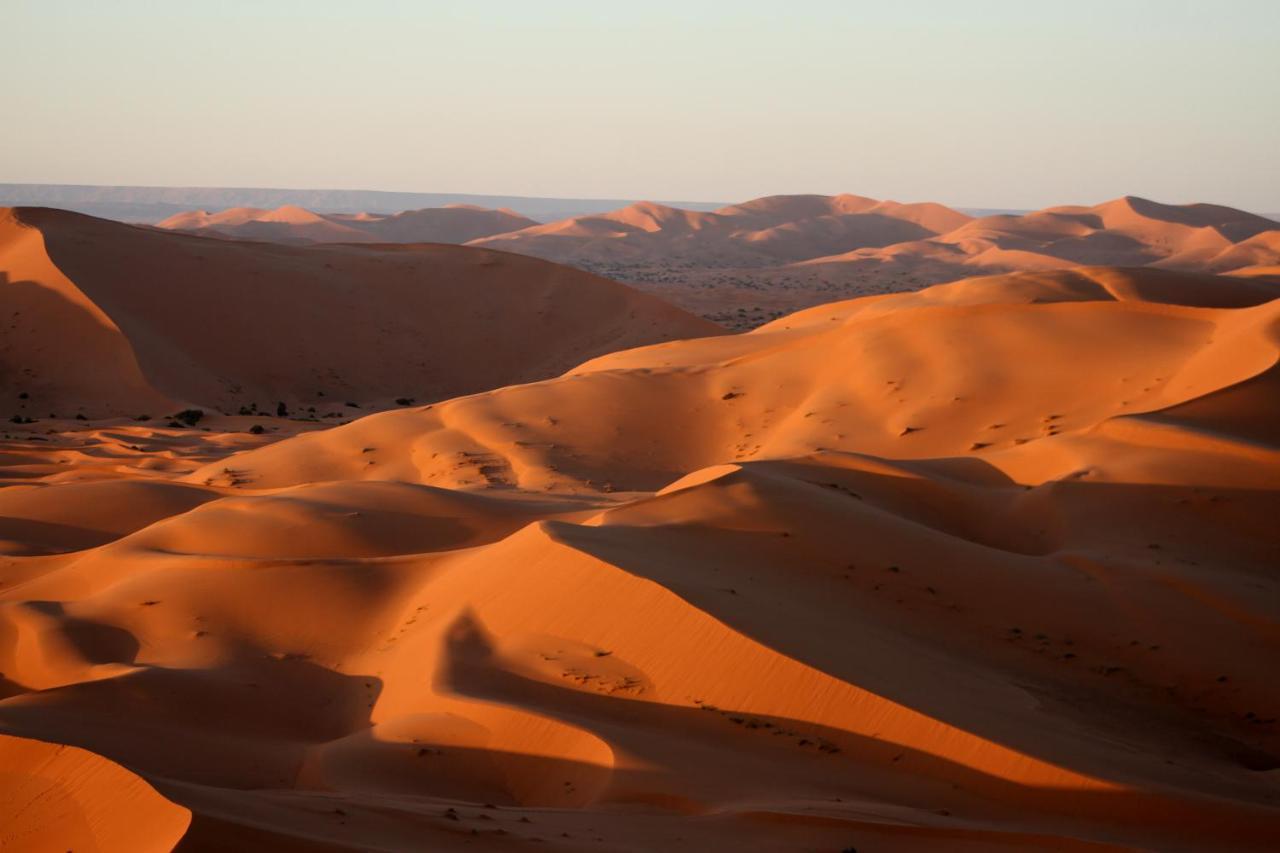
{"points": [[163, 321], [58, 798], [990, 566], [1126, 231], [458, 223], [746, 264], [846, 234], [764, 231]]}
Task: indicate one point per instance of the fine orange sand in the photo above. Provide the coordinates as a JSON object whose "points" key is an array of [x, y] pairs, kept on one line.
{"points": [[104, 319], [990, 566]]}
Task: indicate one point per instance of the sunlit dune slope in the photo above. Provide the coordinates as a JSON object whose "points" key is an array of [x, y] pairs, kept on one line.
{"points": [[55, 797], [994, 362]]}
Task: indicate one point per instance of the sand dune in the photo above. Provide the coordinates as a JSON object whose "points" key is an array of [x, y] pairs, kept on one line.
{"points": [[835, 235], [776, 229], [744, 265], [1126, 231], [839, 234], [455, 223], [163, 321], [989, 566], [61, 798]]}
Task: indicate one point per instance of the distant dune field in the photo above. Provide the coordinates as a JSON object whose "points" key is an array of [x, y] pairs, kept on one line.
{"points": [[745, 264]]}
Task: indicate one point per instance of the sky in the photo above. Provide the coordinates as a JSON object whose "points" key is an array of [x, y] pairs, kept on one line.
{"points": [[980, 103]]}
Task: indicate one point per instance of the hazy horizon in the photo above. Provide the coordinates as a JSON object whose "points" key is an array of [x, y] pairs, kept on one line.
{"points": [[992, 105]]}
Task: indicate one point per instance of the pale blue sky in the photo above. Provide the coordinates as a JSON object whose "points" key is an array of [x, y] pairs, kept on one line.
{"points": [[978, 103]]}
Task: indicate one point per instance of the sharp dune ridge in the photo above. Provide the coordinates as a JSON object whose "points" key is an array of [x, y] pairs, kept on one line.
{"points": [[986, 566], [164, 321]]}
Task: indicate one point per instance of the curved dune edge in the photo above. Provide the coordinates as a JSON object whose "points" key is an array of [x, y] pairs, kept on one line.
{"points": [[378, 323], [990, 366], [58, 797], [746, 590]]}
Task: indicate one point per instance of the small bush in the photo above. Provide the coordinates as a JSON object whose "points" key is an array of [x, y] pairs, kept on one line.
{"points": [[256, 429], [190, 417], [282, 411], [404, 401]]}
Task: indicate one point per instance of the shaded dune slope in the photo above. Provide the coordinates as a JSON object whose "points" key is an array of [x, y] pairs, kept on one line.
{"points": [[988, 566], [162, 320]]}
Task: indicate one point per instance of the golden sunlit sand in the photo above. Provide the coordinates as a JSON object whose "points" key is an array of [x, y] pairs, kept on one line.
{"points": [[988, 566]]}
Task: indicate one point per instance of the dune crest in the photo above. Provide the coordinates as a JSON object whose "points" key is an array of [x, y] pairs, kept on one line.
{"points": [[986, 566], [167, 321], [55, 797], [454, 223]]}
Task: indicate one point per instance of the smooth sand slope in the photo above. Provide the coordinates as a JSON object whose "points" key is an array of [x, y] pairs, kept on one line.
{"points": [[59, 798], [991, 566], [456, 223], [109, 319]]}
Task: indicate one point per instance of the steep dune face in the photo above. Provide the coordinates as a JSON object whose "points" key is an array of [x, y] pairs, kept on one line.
{"points": [[292, 224], [163, 320], [989, 566], [44, 310], [55, 797]]}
